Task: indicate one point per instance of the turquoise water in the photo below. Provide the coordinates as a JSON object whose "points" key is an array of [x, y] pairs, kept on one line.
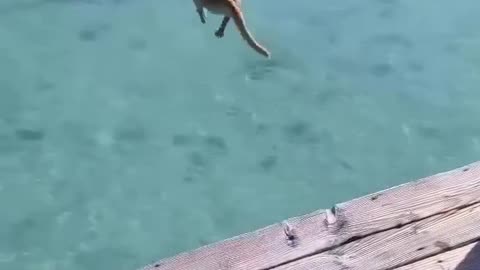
{"points": [[129, 132]]}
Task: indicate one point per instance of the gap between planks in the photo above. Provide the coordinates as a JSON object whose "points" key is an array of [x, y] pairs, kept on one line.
{"points": [[401, 246], [462, 258]]}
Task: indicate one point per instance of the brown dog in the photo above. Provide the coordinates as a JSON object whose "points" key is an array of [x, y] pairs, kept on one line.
{"points": [[229, 9]]}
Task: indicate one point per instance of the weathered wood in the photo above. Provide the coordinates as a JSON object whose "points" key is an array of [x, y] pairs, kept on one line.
{"points": [[400, 246], [325, 230], [463, 258]]}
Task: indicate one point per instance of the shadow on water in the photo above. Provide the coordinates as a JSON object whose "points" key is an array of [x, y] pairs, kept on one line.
{"points": [[472, 260]]}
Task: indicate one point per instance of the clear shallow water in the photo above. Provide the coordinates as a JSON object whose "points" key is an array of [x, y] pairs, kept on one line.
{"points": [[128, 132]]}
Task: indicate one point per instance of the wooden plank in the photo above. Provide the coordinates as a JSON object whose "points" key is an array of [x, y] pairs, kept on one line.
{"points": [[400, 246], [463, 258], [323, 230]]}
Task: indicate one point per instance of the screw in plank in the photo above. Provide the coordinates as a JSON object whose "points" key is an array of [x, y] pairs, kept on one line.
{"points": [[290, 235]]}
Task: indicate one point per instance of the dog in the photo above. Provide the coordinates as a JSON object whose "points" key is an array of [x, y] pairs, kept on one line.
{"points": [[229, 9]]}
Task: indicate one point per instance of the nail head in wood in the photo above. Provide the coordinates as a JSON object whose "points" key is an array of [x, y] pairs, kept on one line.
{"points": [[331, 217], [289, 234]]}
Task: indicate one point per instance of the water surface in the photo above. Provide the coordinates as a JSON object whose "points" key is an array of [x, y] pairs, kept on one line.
{"points": [[129, 132]]}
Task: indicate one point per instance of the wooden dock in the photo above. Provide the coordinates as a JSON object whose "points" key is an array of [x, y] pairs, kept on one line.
{"points": [[431, 223]]}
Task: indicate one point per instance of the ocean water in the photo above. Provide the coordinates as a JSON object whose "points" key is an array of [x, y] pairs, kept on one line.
{"points": [[129, 132]]}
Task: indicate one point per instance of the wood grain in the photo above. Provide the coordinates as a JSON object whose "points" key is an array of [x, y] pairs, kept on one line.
{"points": [[400, 246], [463, 258], [324, 230]]}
